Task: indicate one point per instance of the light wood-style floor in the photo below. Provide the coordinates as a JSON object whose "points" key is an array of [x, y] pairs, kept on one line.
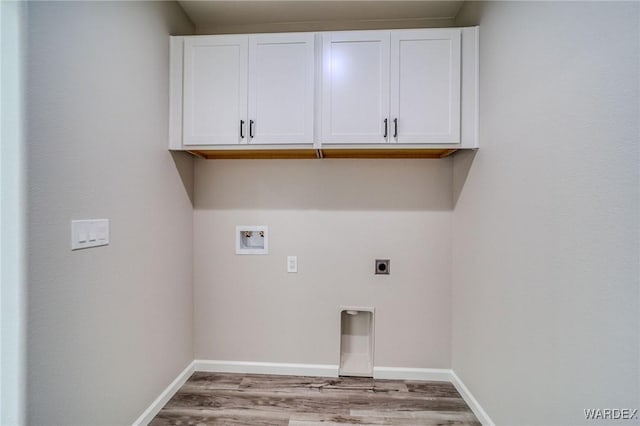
{"points": [[251, 399]]}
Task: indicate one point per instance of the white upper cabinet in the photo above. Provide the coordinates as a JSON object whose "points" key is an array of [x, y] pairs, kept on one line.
{"points": [[215, 89], [400, 86], [380, 90], [242, 89], [425, 86], [281, 88], [355, 87]]}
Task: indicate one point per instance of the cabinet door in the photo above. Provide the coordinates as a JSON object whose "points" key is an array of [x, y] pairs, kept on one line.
{"points": [[215, 89], [355, 86], [425, 85], [281, 86]]}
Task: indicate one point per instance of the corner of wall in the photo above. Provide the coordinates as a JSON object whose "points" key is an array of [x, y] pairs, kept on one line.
{"points": [[12, 216]]}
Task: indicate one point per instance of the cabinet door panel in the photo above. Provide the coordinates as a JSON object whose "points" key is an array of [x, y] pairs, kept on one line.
{"points": [[215, 89], [355, 87], [281, 87], [425, 85]]}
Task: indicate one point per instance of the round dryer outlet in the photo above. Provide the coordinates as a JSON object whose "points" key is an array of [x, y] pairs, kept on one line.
{"points": [[383, 267]]}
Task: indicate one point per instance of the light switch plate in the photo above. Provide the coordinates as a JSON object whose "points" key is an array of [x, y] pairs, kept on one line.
{"points": [[89, 233]]}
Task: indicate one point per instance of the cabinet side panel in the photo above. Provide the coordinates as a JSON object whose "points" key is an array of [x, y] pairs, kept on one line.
{"points": [[469, 88], [176, 61]]}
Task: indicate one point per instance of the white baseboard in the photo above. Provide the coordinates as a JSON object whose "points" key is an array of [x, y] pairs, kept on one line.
{"points": [[400, 373], [320, 370], [482, 415], [155, 407]]}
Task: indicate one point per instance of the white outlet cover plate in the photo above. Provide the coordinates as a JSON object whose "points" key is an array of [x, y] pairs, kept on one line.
{"points": [[292, 264]]}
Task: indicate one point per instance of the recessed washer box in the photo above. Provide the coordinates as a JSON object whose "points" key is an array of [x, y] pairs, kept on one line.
{"points": [[252, 239]]}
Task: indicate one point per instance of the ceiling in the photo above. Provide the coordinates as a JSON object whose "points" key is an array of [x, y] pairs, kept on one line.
{"points": [[215, 13]]}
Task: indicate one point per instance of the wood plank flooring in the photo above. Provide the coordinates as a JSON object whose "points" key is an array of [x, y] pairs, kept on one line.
{"points": [[253, 399]]}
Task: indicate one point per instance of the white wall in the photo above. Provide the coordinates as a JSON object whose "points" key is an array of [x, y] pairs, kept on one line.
{"points": [[337, 216], [12, 216], [109, 328], [545, 229]]}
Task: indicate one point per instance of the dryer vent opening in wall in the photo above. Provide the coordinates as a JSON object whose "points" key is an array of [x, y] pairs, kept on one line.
{"points": [[356, 341], [252, 239]]}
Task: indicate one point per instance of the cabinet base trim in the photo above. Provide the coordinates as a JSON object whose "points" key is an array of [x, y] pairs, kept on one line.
{"points": [[387, 153], [254, 154], [372, 153]]}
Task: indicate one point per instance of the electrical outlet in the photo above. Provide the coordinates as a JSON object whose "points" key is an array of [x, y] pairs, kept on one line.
{"points": [[292, 264], [383, 267]]}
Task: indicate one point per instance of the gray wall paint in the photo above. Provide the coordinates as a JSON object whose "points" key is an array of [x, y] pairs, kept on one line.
{"points": [[337, 216], [109, 328], [545, 229]]}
